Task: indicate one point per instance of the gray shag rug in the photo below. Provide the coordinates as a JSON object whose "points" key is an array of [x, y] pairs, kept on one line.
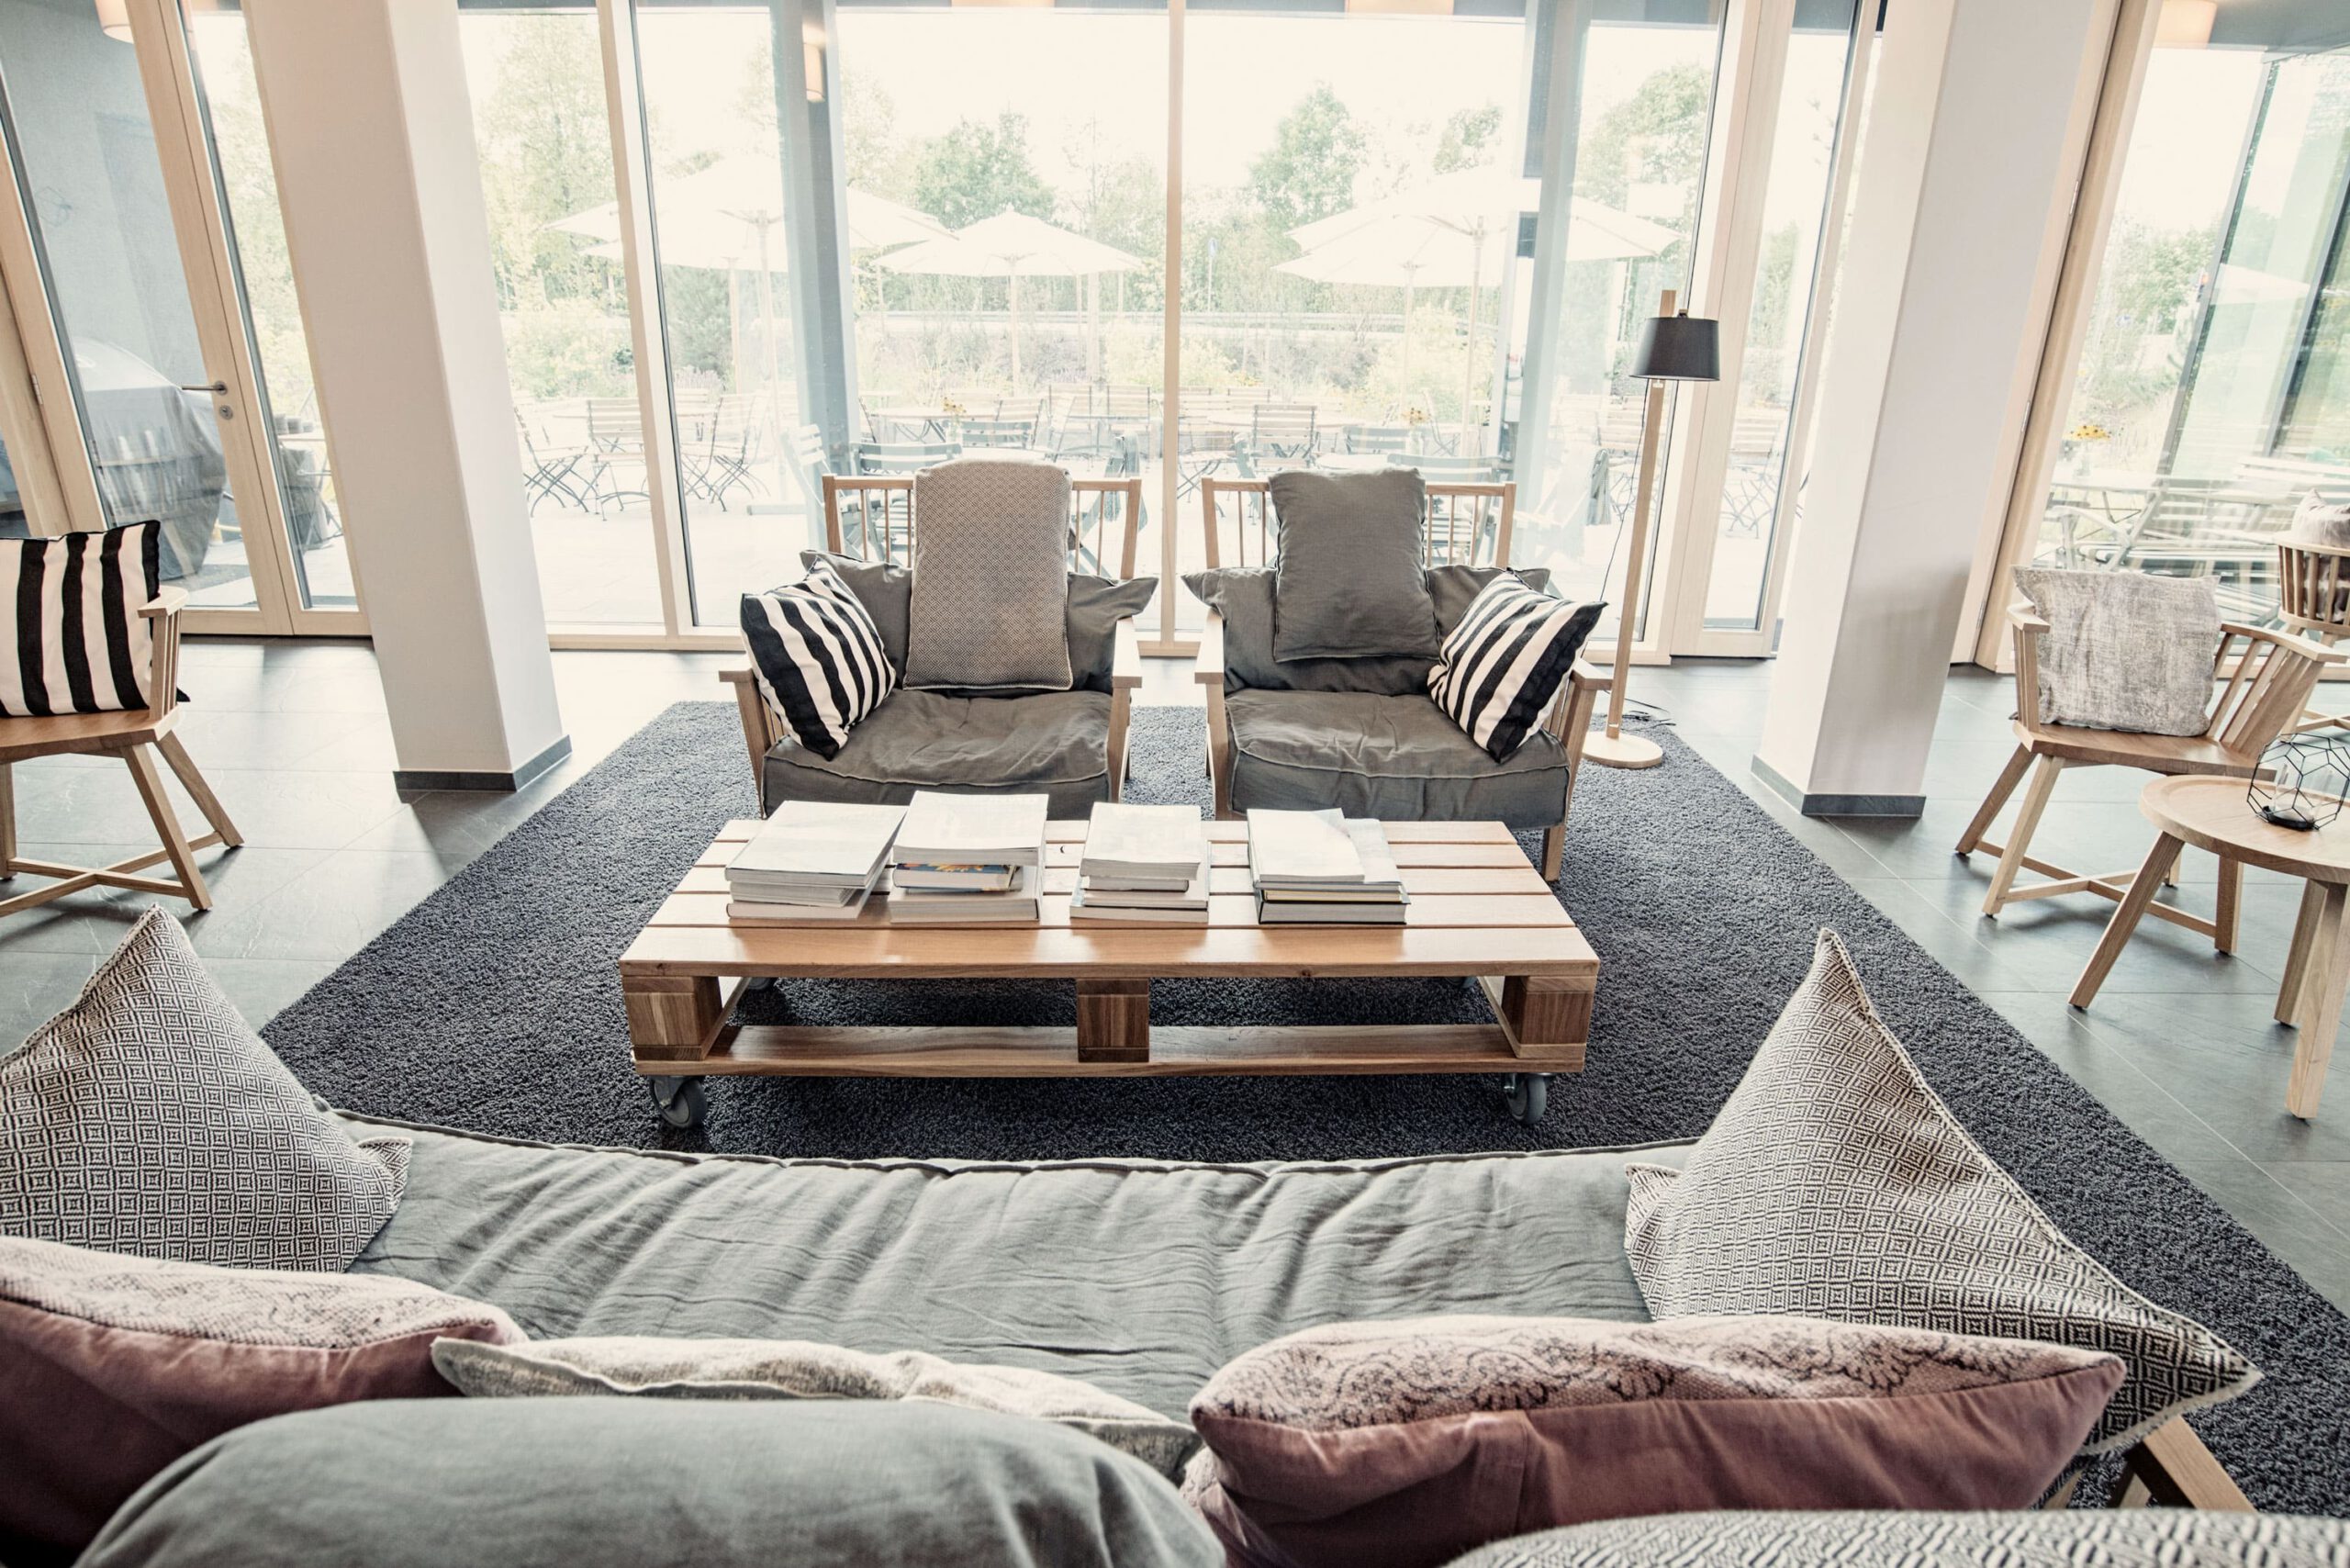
{"points": [[495, 1006]]}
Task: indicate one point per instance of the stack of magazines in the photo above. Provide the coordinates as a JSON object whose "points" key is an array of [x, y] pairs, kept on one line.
{"points": [[1143, 863], [967, 860], [811, 863], [1322, 869]]}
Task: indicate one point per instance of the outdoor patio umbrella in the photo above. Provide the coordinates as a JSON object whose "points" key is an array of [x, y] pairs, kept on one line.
{"points": [[1437, 235], [724, 217], [1012, 245]]}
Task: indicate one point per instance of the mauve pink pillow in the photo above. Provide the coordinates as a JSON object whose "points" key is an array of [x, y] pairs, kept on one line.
{"points": [[1410, 1442], [113, 1366]]}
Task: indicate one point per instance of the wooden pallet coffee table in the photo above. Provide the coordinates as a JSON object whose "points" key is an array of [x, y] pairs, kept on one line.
{"points": [[1478, 909]]}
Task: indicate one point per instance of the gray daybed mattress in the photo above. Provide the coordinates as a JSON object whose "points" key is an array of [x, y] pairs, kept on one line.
{"points": [[1140, 1277]]}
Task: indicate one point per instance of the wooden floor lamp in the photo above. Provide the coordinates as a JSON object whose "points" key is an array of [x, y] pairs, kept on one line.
{"points": [[1676, 346]]}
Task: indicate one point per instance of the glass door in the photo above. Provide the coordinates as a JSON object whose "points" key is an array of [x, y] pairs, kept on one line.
{"points": [[136, 229]]}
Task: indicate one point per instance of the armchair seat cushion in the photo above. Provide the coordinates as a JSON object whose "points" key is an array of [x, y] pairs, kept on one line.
{"points": [[1055, 744], [1394, 758]]}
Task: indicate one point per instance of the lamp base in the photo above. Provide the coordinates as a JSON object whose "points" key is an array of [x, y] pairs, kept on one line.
{"points": [[1620, 750]]}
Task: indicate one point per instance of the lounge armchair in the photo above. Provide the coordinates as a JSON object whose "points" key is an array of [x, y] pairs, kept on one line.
{"points": [[1068, 744], [1389, 754]]}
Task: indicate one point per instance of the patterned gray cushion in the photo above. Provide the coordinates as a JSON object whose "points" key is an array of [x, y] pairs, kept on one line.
{"points": [[1348, 581], [793, 1369], [147, 1118], [990, 584], [2124, 651], [2126, 1537], [1836, 1183]]}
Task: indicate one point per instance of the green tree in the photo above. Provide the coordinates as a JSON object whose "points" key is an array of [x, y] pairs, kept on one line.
{"points": [[978, 170], [1468, 140], [1309, 171], [1655, 137]]}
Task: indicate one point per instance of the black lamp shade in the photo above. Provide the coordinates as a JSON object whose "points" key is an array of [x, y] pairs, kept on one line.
{"points": [[1679, 348]]}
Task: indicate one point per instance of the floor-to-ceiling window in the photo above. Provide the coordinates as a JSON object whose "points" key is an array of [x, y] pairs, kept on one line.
{"points": [[2208, 398], [1645, 102], [537, 81]]}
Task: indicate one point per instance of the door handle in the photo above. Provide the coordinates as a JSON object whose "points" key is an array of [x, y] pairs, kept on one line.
{"points": [[215, 387]]}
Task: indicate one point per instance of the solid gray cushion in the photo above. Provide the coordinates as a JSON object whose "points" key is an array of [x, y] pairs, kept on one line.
{"points": [[1139, 1277], [1243, 597], [621, 1482], [1095, 607], [1056, 745], [2124, 651], [990, 576], [1399, 758], [1350, 582], [148, 1118], [2109, 1537]]}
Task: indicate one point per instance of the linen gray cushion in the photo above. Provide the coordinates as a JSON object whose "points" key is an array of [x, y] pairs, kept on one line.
{"points": [[2322, 518], [148, 1118], [801, 1368], [1138, 1277], [625, 1483], [1244, 596], [1836, 1183], [2112, 1538], [1055, 744], [1349, 581], [1096, 605], [2124, 651], [1399, 758], [990, 589]]}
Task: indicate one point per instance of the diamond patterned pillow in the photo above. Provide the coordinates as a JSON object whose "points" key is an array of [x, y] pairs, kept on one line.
{"points": [[148, 1118], [1836, 1183]]}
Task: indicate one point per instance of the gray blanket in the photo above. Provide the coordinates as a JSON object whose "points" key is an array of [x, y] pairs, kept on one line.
{"points": [[1141, 1278]]}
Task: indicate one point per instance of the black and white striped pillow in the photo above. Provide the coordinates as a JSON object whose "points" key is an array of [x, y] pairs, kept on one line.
{"points": [[1500, 667], [72, 639], [819, 657]]}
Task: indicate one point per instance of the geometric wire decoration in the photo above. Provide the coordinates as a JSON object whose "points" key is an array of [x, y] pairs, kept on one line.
{"points": [[2307, 777]]}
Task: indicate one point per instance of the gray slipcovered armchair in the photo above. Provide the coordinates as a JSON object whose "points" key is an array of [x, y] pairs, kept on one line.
{"points": [[1363, 735], [1068, 744]]}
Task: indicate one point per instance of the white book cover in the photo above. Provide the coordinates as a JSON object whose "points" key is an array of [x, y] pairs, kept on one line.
{"points": [[1302, 847], [1081, 908], [1192, 894], [1270, 913], [943, 829], [750, 911], [817, 841], [1137, 840]]}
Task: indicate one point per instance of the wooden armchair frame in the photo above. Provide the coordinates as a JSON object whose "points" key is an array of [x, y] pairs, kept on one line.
{"points": [[2313, 599], [885, 505], [135, 737], [2268, 678], [1459, 518]]}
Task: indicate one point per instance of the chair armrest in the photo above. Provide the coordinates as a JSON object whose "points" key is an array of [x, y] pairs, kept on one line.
{"points": [[2023, 618], [166, 603], [1598, 678], [2177, 1470], [2308, 647], [761, 729], [1125, 656], [745, 676], [163, 651], [1207, 665]]}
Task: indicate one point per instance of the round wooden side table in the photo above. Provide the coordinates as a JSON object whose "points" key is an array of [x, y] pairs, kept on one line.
{"points": [[2211, 813]]}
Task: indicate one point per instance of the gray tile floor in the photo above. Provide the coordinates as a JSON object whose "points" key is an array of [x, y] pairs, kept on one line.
{"points": [[293, 737]]}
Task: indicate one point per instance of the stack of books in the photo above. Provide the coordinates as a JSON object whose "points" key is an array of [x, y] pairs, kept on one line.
{"points": [[1143, 863], [1322, 869], [967, 860], [811, 863]]}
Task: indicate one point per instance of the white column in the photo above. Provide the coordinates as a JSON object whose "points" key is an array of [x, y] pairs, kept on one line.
{"points": [[372, 136], [1974, 139]]}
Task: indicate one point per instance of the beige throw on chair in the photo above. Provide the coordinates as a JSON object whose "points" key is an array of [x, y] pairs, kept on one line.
{"points": [[2264, 679]]}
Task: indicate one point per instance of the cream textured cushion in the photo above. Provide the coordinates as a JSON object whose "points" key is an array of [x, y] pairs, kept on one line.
{"points": [[990, 589], [2124, 651], [793, 1369], [1836, 1183], [148, 1118]]}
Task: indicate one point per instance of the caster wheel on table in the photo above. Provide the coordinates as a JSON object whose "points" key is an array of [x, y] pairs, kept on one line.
{"points": [[679, 1100], [1528, 1095]]}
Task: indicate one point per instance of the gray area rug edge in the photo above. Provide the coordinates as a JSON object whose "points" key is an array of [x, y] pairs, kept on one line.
{"points": [[494, 1005]]}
